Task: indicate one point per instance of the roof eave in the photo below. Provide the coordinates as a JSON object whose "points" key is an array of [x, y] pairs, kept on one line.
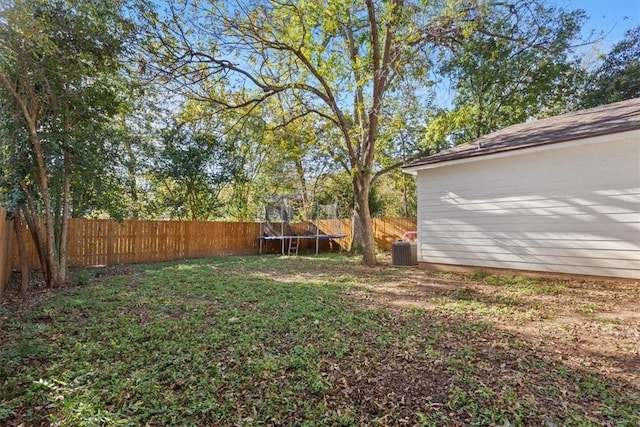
{"points": [[601, 138]]}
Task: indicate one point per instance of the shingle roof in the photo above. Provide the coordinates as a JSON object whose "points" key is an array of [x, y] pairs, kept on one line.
{"points": [[607, 119]]}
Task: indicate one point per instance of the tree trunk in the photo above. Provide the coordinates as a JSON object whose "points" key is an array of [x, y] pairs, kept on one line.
{"points": [[307, 209], [356, 234], [44, 237], [48, 235], [361, 187], [22, 253], [405, 196], [64, 229], [131, 167], [35, 227]]}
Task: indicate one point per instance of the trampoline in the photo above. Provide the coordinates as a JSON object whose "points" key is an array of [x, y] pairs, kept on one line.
{"points": [[324, 226]]}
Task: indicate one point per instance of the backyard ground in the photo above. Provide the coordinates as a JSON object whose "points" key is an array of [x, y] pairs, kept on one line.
{"points": [[319, 341]]}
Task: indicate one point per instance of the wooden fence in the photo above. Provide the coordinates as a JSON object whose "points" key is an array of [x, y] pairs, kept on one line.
{"points": [[107, 242], [6, 234], [389, 230]]}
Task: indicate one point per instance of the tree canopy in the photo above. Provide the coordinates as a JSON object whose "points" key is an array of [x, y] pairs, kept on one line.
{"points": [[500, 79], [345, 62], [618, 77], [59, 80], [199, 109]]}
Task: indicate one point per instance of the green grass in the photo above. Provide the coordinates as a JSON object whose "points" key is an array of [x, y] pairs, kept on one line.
{"points": [[278, 341], [520, 284]]}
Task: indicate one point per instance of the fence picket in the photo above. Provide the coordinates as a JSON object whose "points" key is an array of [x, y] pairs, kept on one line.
{"points": [[6, 233], [107, 242]]}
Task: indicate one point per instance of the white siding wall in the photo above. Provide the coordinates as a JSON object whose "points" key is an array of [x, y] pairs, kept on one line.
{"points": [[568, 208]]}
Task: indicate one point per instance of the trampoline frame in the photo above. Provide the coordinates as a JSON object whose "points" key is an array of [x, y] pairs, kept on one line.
{"points": [[268, 231]]}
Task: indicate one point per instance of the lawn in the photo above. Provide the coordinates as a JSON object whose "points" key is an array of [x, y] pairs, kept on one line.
{"points": [[319, 341]]}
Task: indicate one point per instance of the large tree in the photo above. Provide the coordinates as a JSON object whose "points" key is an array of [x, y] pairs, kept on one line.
{"points": [[501, 79], [190, 170], [339, 60], [58, 78], [618, 76]]}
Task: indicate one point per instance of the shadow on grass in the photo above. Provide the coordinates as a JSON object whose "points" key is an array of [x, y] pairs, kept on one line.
{"points": [[218, 343]]}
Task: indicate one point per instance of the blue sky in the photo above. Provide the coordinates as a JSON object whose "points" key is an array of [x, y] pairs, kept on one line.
{"points": [[613, 17]]}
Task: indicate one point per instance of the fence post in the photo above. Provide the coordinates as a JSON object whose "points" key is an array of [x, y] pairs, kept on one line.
{"points": [[6, 238], [146, 241]]}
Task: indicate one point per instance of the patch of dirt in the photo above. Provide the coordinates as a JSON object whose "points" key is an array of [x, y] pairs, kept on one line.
{"points": [[592, 324], [446, 337], [12, 301], [38, 292], [115, 270]]}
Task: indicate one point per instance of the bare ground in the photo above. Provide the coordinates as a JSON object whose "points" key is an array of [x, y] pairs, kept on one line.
{"points": [[583, 326], [585, 323], [543, 336]]}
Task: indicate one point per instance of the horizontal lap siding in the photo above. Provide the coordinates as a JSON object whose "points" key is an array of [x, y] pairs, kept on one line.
{"points": [[569, 210]]}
